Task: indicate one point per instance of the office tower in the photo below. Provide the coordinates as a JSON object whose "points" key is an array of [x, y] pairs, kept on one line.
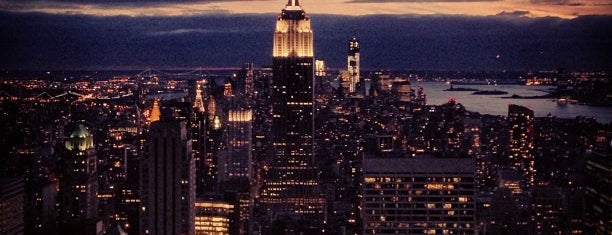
{"points": [[320, 68], [245, 80], [353, 63], [78, 181], [522, 159], [214, 217], [451, 130], [12, 205], [168, 181], [419, 195], [237, 165], [227, 90], [382, 80], [549, 210], [212, 108], [597, 193], [402, 90], [40, 189], [198, 129], [290, 187]]}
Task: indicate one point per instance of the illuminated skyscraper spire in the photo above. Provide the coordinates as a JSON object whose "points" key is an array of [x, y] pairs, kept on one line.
{"points": [[353, 63], [198, 103], [155, 112], [293, 35]]}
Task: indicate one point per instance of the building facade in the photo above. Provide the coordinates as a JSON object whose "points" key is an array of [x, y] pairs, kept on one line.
{"points": [[239, 157], [420, 195], [353, 63], [168, 181], [78, 182], [598, 171], [521, 146]]}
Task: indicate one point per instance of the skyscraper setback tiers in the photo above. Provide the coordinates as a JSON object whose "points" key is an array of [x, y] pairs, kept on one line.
{"points": [[290, 187]]}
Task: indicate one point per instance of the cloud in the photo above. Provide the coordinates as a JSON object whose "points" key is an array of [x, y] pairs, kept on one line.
{"points": [[189, 31], [467, 43], [115, 7], [514, 13], [181, 8], [557, 2], [571, 3], [413, 1]]}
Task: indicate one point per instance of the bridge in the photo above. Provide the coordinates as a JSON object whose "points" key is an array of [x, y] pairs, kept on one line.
{"points": [[195, 74]]}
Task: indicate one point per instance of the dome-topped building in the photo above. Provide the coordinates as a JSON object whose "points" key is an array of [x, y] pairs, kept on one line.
{"points": [[78, 185], [79, 138]]}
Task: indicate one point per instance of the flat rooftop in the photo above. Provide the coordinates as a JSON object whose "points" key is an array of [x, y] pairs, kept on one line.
{"points": [[421, 163]]}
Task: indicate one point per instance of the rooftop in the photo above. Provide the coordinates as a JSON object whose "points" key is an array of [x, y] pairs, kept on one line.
{"points": [[421, 163]]}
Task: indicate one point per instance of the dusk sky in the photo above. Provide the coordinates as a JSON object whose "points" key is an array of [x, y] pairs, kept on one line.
{"points": [[395, 34]]}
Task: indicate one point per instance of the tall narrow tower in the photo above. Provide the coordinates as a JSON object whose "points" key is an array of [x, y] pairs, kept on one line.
{"points": [[198, 104], [290, 187], [520, 120], [168, 180], [353, 63], [78, 188]]}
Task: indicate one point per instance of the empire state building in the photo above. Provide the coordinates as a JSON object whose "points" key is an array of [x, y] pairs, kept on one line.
{"points": [[290, 187]]}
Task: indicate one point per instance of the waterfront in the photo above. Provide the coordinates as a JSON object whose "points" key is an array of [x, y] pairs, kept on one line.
{"points": [[496, 105]]}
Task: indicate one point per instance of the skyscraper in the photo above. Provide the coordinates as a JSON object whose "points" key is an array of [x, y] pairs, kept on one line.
{"points": [[353, 63], [168, 183], [290, 187], [198, 103], [522, 158], [238, 162], [11, 205], [417, 195], [78, 199]]}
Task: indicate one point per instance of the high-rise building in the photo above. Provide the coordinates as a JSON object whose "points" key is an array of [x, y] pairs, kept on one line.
{"points": [[290, 185], [320, 68], [198, 103], [520, 128], [213, 217], [237, 165], [248, 78], [353, 63], [597, 193], [12, 205], [417, 195], [168, 180], [78, 181]]}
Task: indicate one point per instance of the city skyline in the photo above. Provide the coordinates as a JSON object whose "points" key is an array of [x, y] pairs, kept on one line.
{"points": [[282, 145]]}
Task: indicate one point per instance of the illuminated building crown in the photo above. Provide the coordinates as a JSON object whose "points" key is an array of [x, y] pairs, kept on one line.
{"points": [[293, 35]]}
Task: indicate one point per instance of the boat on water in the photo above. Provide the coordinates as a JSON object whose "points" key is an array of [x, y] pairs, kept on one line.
{"points": [[563, 100]]}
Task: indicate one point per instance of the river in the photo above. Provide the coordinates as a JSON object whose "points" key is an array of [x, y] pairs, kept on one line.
{"points": [[495, 105]]}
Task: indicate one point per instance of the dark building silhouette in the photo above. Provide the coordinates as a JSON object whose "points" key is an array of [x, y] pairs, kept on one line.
{"points": [[597, 193], [168, 181]]}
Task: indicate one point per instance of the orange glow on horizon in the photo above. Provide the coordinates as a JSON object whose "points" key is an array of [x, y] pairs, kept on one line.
{"points": [[339, 7]]}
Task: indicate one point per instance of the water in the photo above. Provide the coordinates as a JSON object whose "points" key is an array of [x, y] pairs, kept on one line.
{"points": [[495, 105]]}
